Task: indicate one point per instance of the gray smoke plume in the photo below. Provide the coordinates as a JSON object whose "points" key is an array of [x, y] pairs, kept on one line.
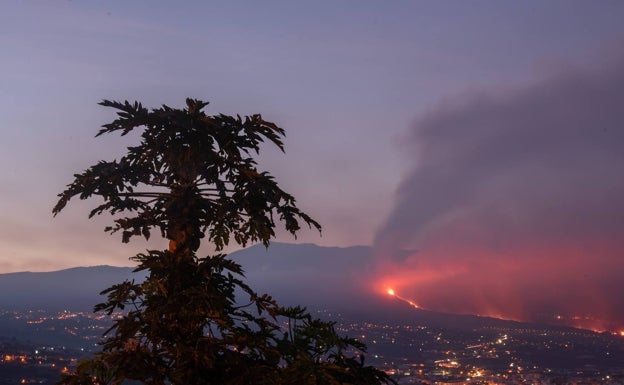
{"points": [[531, 178]]}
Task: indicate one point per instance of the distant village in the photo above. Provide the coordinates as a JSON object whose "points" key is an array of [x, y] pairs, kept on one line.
{"points": [[47, 344]]}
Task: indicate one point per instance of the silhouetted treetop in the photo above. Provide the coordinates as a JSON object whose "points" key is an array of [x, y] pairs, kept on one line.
{"points": [[189, 322], [189, 165]]}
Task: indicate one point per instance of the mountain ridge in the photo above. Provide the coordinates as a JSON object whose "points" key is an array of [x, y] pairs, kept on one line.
{"points": [[317, 277]]}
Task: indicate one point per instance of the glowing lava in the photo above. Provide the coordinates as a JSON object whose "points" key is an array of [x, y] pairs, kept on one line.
{"points": [[392, 293]]}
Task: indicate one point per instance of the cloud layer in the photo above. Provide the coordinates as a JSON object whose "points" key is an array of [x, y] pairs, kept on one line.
{"points": [[515, 201]]}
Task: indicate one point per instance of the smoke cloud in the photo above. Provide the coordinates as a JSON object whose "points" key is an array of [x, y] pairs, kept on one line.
{"points": [[514, 205]]}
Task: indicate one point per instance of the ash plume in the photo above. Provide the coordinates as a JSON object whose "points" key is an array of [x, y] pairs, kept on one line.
{"points": [[516, 199]]}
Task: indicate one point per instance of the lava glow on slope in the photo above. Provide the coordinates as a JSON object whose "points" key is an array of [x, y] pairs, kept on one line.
{"points": [[551, 290], [390, 291]]}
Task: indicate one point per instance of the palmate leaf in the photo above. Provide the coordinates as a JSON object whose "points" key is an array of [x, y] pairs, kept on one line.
{"points": [[130, 117]]}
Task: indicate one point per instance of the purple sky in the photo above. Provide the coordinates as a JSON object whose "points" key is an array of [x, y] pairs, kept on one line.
{"points": [[352, 83]]}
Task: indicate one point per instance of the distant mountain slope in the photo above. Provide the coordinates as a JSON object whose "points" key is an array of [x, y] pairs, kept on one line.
{"points": [[295, 274], [305, 274], [76, 289]]}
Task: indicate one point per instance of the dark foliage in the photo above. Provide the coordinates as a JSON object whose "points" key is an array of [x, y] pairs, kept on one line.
{"points": [[193, 176]]}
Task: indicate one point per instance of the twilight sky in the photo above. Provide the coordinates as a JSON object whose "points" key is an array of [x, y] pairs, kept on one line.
{"points": [[487, 136]]}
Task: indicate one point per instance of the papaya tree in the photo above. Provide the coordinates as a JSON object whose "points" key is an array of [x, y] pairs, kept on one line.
{"points": [[193, 320]]}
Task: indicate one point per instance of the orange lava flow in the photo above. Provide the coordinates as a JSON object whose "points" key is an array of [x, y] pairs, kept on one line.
{"points": [[392, 293]]}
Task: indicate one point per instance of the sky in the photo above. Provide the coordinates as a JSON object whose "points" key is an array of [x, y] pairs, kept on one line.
{"points": [[478, 140]]}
